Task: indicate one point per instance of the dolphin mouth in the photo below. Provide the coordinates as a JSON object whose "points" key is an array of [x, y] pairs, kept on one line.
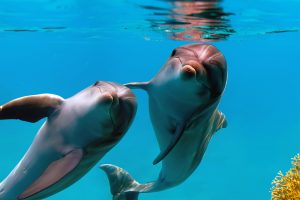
{"points": [[121, 115], [123, 106], [104, 87], [122, 109]]}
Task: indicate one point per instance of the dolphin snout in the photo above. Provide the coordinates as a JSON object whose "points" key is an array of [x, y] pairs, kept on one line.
{"points": [[202, 63], [123, 111], [188, 72], [193, 70], [217, 72]]}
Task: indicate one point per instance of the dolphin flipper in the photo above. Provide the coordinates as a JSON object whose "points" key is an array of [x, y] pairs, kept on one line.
{"points": [[30, 108], [178, 134]]}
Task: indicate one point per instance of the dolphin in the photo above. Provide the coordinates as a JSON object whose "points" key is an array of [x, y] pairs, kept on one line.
{"points": [[183, 105], [78, 132]]}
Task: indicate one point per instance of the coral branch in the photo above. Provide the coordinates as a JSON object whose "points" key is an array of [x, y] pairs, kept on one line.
{"points": [[287, 187]]}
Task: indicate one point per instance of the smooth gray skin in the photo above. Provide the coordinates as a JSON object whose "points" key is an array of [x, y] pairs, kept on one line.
{"points": [[78, 132], [183, 100]]}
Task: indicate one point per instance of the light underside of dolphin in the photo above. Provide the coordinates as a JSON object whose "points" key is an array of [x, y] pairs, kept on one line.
{"points": [[125, 187], [179, 129], [178, 132], [64, 172], [74, 165]]}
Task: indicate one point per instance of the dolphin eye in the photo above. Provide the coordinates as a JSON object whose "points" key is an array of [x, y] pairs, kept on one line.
{"points": [[173, 52], [96, 83]]}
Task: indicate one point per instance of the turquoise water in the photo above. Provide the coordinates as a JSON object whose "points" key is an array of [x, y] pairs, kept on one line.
{"points": [[62, 47]]}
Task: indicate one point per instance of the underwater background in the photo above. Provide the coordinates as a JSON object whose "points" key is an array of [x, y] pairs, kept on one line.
{"points": [[63, 46]]}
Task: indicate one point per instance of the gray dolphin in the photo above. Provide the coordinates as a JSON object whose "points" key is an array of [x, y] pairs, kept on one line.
{"points": [[78, 132], [183, 100]]}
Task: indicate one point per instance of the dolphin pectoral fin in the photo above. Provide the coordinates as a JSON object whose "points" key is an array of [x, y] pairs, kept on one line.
{"points": [[175, 139], [137, 85], [221, 121], [30, 108], [53, 174]]}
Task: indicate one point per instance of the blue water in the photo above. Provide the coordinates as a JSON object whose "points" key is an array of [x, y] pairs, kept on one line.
{"points": [[61, 47]]}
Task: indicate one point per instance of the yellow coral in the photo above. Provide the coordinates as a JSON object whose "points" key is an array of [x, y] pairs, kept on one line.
{"points": [[287, 187]]}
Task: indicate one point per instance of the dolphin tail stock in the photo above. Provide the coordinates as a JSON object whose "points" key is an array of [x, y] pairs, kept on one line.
{"points": [[122, 184], [138, 85]]}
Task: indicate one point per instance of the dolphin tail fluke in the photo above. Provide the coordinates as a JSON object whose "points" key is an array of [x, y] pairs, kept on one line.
{"points": [[138, 85], [122, 185]]}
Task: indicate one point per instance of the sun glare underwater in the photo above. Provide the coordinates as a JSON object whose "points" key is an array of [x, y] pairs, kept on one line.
{"points": [[63, 47]]}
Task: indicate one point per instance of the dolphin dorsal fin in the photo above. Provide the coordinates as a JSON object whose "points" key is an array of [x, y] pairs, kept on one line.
{"points": [[30, 108], [137, 85], [220, 121], [175, 139]]}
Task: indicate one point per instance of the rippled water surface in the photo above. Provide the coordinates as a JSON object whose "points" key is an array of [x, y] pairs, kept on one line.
{"points": [[62, 46]]}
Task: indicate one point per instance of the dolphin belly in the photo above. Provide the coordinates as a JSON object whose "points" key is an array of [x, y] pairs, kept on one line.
{"points": [[42, 173], [28, 170]]}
